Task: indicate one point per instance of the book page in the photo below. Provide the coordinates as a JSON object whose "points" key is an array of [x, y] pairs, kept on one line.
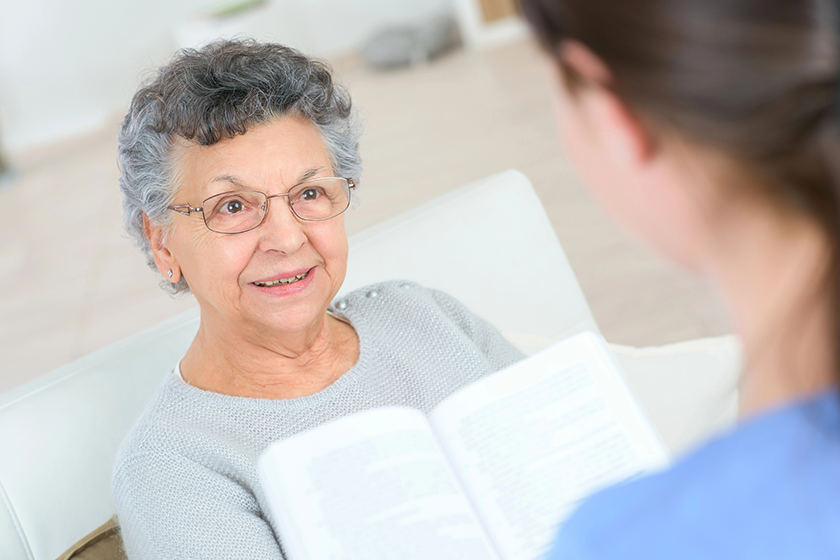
{"points": [[372, 485], [531, 441]]}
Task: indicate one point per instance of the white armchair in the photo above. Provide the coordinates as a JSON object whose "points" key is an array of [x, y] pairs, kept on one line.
{"points": [[59, 433]]}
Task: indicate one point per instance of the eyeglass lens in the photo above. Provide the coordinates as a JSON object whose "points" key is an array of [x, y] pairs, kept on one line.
{"points": [[238, 211]]}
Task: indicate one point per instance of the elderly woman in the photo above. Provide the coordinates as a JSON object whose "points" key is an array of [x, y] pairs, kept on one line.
{"points": [[237, 162]]}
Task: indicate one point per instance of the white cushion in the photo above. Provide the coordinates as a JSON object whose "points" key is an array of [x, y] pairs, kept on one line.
{"points": [[489, 244], [689, 389], [59, 435]]}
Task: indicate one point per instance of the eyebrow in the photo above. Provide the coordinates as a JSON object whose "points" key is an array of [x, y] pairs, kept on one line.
{"points": [[309, 174], [239, 184]]}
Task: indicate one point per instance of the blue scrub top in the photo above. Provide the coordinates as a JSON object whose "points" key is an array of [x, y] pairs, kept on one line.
{"points": [[770, 489]]}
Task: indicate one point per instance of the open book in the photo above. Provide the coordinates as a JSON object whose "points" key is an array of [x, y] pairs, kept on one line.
{"points": [[490, 473]]}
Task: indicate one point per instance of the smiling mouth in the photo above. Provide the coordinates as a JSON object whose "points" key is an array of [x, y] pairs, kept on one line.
{"points": [[280, 281]]}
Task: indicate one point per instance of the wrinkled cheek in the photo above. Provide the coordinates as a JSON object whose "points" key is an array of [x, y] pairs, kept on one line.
{"points": [[331, 242], [340, 261]]}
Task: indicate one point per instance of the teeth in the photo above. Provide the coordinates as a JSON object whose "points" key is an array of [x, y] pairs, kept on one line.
{"points": [[282, 281]]}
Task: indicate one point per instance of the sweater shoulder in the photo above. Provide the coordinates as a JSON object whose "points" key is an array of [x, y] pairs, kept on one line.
{"points": [[153, 428], [403, 301]]}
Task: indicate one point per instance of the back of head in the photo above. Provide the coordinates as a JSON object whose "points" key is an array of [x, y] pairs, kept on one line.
{"points": [[756, 80], [219, 91]]}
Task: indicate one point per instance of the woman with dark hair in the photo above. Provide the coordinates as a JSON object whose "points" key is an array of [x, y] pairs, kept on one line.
{"points": [[711, 129], [237, 163]]}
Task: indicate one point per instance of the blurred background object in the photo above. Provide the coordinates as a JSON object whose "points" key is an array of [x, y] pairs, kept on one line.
{"points": [[226, 20], [409, 44], [70, 281], [486, 22]]}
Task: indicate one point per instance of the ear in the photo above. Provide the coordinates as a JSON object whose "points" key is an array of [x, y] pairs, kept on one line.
{"points": [[163, 257], [621, 132]]}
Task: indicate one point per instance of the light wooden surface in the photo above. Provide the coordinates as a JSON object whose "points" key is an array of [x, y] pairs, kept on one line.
{"points": [[70, 281], [494, 10]]}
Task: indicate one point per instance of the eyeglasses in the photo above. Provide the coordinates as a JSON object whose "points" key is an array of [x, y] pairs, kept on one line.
{"points": [[240, 211]]}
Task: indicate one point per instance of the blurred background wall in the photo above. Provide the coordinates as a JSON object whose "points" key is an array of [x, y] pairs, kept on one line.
{"points": [[67, 65]]}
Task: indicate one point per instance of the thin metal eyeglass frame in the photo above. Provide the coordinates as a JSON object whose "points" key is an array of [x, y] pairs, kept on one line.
{"points": [[186, 209]]}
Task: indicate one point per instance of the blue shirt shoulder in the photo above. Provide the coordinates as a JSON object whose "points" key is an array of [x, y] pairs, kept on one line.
{"points": [[769, 489]]}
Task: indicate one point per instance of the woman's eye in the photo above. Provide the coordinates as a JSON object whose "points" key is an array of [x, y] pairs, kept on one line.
{"points": [[310, 194], [233, 206]]}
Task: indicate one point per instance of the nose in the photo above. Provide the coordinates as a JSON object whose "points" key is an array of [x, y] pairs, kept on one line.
{"points": [[281, 230]]}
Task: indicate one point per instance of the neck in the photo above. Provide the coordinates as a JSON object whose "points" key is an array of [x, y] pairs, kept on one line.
{"points": [[269, 365], [771, 269]]}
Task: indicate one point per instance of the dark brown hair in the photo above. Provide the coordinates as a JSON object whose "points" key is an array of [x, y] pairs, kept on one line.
{"points": [[756, 79]]}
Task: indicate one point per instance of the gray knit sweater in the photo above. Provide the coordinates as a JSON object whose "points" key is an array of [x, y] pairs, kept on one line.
{"points": [[186, 484]]}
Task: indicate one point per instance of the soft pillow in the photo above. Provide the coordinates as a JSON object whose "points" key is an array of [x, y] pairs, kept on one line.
{"points": [[104, 543], [689, 389]]}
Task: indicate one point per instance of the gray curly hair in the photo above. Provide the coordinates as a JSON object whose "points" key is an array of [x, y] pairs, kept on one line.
{"points": [[218, 92]]}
